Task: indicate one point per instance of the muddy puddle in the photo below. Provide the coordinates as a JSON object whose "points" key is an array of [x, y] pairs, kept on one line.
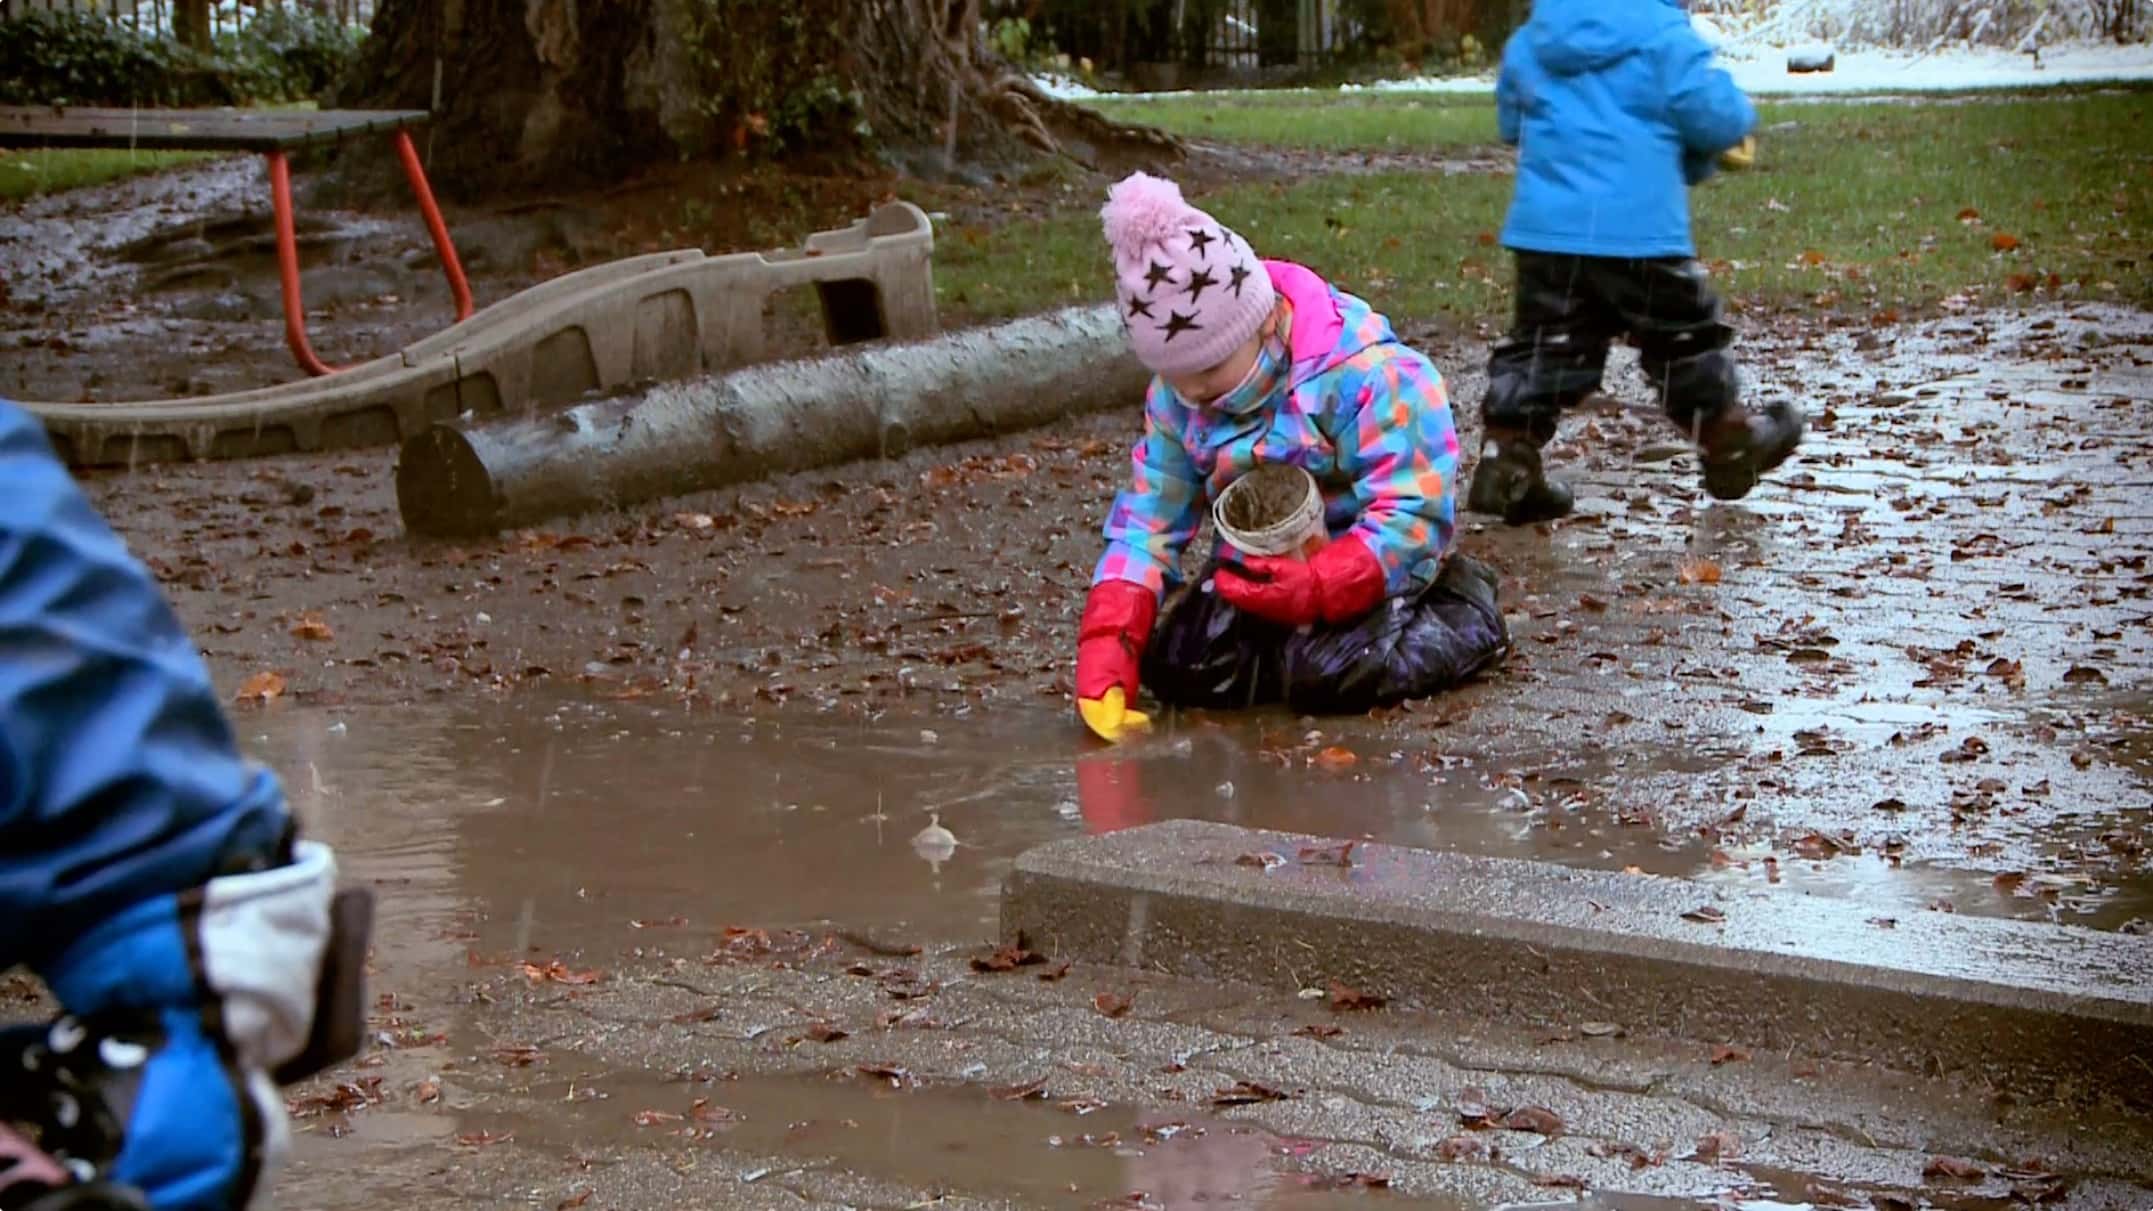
{"points": [[993, 1144], [557, 826]]}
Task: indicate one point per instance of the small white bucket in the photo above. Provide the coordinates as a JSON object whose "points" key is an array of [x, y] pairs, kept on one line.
{"points": [[1274, 510]]}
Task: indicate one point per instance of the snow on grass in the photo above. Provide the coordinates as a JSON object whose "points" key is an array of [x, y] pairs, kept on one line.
{"points": [[1762, 71]]}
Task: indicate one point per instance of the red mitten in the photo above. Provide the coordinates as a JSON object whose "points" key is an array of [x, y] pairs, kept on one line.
{"points": [[1338, 584], [1110, 649]]}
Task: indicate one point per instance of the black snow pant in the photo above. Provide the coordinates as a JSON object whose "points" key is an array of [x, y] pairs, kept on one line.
{"points": [[1570, 308], [1207, 654]]}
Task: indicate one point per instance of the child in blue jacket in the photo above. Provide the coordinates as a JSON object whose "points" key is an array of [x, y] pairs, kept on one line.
{"points": [[1616, 108], [152, 876]]}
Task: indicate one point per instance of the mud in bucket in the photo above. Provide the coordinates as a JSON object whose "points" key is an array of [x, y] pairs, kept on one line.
{"points": [[1273, 510]]}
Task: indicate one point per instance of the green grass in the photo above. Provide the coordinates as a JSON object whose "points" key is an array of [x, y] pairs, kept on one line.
{"points": [[1854, 210], [26, 174], [1328, 120]]}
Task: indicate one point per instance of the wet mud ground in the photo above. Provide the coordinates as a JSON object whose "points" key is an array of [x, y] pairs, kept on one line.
{"points": [[640, 793]]}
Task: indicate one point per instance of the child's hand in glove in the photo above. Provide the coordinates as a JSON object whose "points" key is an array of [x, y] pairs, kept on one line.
{"points": [[1338, 584]]}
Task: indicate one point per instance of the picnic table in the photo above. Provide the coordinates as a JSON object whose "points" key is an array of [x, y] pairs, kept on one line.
{"points": [[271, 133]]}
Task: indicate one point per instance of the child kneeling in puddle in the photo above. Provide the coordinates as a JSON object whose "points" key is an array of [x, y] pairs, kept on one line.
{"points": [[1258, 362]]}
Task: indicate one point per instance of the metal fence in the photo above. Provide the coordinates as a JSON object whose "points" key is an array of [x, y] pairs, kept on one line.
{"points": [[1135, 37], [154, 17]]}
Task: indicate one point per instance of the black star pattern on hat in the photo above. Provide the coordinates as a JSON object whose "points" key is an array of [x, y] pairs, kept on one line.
{"points": [[1200, 240], [1177, 323], [1140, 307], [1159, 273], [1239, 275], [1200, 280]]}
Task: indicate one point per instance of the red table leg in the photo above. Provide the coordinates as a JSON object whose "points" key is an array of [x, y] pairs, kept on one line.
{"points": [[415, 172], [280, 198], [295, 316]]}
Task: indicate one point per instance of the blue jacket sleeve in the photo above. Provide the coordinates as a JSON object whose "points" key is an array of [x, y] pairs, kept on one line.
{"points": [[1154, 518], [1709, 111], [119, 775], [1509, 116]]}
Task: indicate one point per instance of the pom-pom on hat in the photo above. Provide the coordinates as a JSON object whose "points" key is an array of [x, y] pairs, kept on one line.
{"points": [[1191, 291]]}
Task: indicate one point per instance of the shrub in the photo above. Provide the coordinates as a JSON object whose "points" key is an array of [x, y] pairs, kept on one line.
{"points": [[77, 58]]}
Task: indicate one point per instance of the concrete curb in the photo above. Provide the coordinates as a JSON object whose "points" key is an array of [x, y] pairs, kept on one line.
{"points": [[668, 315], [2040, 1010]]}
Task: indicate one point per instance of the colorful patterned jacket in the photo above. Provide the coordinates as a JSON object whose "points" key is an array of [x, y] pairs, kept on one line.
{"points": [[1364, 414]]}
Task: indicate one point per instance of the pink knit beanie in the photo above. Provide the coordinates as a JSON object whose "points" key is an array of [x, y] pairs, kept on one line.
{"points": [[1191, 291]]}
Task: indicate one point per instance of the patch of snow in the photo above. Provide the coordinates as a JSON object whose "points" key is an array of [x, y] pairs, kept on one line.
{"points": [[1762, 70], [1065, 88]]}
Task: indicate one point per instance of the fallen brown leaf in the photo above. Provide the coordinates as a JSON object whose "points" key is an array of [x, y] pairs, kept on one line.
{"points": [[1706, 915], [1719, 1146], [1056, 972], [1348, 1181], [1461, 1147], [312, 626], [2003, 242], [1319, 1030], [1111, 1004], [1724, 1054], [823, 1032], [1328, 855], [1247, 1093], [1954, 1169], [1700, 571], [1029, 1091], [1336, 758], [557, 972], [1345, 999], [1008, 957], [484, 1139], [261, 687], [1537, 1119]]}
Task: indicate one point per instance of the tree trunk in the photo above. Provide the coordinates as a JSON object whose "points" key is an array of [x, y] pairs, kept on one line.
{"points": [[190, 23], [526, 92], [677, 438]]}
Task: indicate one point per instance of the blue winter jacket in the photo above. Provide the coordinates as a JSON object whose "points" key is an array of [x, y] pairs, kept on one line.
{"points": [[1615, 108], [119, 776]]}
